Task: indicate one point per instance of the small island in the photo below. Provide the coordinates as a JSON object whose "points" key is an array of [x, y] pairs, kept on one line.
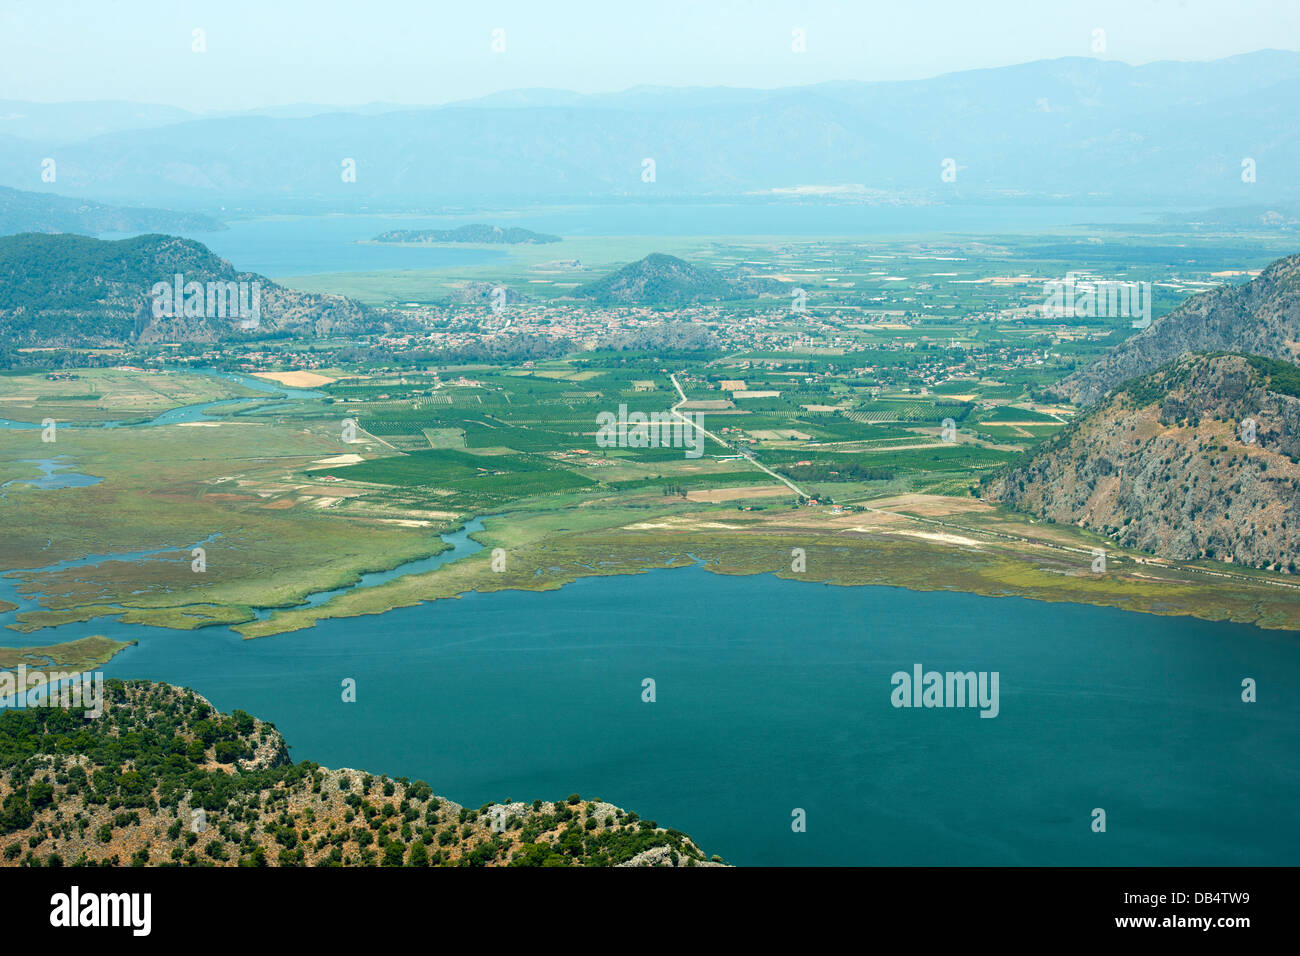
{"points": [[476, 233]]}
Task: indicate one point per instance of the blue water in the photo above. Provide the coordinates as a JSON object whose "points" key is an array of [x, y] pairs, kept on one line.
{"points": [[462, 545], [309, 245], [187, 413], [774, 695], [799, 219], [54, 475]]}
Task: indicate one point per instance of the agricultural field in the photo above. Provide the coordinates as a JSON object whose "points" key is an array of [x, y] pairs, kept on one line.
{"points": [[89, 395], [917, 368]]}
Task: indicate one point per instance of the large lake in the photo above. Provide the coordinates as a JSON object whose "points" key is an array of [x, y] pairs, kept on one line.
{"points": [[309, 245], [774, 695]]}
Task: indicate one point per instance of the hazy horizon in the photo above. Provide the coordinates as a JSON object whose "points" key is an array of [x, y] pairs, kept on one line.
{"points": [[403, 54], [647, 87]]}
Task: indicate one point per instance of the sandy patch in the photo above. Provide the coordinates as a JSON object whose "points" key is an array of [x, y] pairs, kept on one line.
{"points": [[331, 490], [339, 460], [401, 522], [296, 379], [930, 505], [939, 536]]}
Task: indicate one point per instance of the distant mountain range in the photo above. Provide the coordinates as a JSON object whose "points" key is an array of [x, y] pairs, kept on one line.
{"points": [[1068, 130], [477, 232], [22, 211], [1261, 317], [70, 122], [75, 291]]}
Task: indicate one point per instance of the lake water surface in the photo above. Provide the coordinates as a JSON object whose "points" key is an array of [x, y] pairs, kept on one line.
{"points": [[286, 246], [774, 695]]}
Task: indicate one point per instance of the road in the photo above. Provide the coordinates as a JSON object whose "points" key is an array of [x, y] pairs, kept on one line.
{"points": [[726, 444]]}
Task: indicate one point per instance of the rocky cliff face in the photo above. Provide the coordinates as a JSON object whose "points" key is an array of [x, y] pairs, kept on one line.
{"points": [[1261, 317], [1170, 463]]}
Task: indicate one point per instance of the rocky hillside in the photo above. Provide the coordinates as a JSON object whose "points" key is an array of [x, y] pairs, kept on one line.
{"points": [[1167, 464], [22, 211], [162, 778], [1261, 317], [666, 281], [70, 291]]}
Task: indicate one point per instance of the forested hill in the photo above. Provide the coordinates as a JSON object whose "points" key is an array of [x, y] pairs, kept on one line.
{"points": [[22, 211], [69, 291], [162, 778], [474, 233], [667, 281]]}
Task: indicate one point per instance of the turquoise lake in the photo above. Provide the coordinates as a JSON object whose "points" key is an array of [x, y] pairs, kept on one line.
{"points": [[307, 245], [774, 695]]}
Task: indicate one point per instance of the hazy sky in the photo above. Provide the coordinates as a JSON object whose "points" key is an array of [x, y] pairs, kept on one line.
{"points": [[262, 53]]}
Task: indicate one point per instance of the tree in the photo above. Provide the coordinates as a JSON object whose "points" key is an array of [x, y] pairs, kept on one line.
{"points": [[418, 856], [16, 813], [394, 853]]}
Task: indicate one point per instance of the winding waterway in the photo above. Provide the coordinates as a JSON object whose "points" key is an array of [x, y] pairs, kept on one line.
{"points": [[773, 696], [187, 413]]}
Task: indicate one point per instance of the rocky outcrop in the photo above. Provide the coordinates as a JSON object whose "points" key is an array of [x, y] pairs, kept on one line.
{"points": [[1261, 317], [162, 777], [1199, 459]]}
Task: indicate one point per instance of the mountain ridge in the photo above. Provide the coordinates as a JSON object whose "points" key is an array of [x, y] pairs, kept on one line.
{"points": [[1260, 317], [1012, 131], [24, 211], [1199, 459]]}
